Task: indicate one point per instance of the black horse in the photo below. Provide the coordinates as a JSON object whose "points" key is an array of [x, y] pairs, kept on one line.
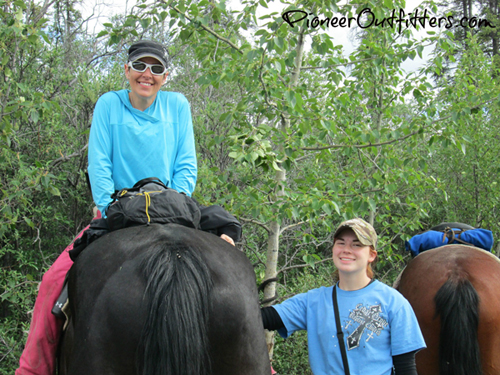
{"points": [[163, 299]]}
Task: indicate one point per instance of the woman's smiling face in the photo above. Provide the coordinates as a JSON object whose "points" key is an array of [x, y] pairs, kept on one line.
{"points": [[144, 86]]}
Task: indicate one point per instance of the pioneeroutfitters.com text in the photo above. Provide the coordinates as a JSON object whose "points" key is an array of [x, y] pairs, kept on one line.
{"points": [[366, 18]]}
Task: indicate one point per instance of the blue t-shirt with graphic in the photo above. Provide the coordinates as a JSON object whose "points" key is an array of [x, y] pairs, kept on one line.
{"points": [[377, 321]]}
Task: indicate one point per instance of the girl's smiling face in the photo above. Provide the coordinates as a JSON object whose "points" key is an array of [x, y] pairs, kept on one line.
{"points": [[350, 256]]}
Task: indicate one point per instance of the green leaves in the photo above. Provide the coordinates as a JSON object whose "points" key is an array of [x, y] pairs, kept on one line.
{"points": [[311, 259]]}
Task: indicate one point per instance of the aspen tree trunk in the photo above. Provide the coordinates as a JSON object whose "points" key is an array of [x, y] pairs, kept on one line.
{"points": [[281, 179], [377, 121], [272, 262]]}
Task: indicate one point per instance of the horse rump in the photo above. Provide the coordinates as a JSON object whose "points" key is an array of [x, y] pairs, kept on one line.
{"points": [[457, 304], [163, 299]]}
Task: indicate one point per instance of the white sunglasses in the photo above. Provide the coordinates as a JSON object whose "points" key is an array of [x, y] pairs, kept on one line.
{"points": [[139, 66]]}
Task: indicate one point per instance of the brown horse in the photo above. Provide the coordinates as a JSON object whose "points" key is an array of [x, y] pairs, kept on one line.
{"points": [[455, 292]]}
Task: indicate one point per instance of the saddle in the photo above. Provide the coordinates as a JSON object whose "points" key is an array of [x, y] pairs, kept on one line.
{"points": [[452, 232], [447, 234], [151, 201]]}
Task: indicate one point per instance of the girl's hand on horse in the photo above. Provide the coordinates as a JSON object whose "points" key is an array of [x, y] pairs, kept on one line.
{"points": [[225, 237]]}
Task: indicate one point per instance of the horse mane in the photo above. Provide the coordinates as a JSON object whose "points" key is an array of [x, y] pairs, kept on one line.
{"points": [[457, 303], [177, 300]]}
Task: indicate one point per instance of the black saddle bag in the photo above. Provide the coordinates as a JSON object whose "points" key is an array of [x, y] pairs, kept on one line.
{"points": [[150, 201]]}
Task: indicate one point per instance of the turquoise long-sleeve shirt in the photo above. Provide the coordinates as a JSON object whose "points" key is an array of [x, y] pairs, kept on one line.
{"points": [[127, 145]]}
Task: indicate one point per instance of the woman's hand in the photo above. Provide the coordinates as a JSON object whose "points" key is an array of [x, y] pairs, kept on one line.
{"points": [[225, 237]]}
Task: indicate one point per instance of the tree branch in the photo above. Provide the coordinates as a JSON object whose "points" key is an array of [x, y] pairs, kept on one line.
{"points": [[266, 97], [303, 265], [207, 29], [373, 144], [355, 61], [300, 223], [360, 193], [255, 222], [18, 285], [64, 158]]}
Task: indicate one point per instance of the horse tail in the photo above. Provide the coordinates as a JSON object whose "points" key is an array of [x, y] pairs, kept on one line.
{"points": [[457, 303], [175, 335]]}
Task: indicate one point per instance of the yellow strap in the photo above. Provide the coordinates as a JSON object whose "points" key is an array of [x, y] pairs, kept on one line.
{"points": [[148, 202]]}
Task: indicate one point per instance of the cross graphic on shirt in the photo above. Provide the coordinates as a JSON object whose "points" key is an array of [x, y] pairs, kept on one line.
{"points": [[368, 318]]}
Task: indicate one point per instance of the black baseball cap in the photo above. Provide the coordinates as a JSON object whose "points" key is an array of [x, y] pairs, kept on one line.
{"points": [[148, 48]]}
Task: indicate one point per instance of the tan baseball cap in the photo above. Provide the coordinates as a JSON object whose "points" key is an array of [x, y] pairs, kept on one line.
{"points": [[364, 231]]}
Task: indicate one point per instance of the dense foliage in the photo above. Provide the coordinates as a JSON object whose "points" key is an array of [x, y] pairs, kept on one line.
{"points": [[293, 136]]}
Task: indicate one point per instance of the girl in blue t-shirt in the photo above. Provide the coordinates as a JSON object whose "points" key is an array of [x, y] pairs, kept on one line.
{"points": [[380, 330]]}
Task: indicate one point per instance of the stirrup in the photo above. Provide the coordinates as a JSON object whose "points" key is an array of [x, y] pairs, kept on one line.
{"points": [[57, 310]]}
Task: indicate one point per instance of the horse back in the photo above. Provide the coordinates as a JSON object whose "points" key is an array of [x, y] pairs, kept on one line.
{"points": [[112, 305], [468, 279]]}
